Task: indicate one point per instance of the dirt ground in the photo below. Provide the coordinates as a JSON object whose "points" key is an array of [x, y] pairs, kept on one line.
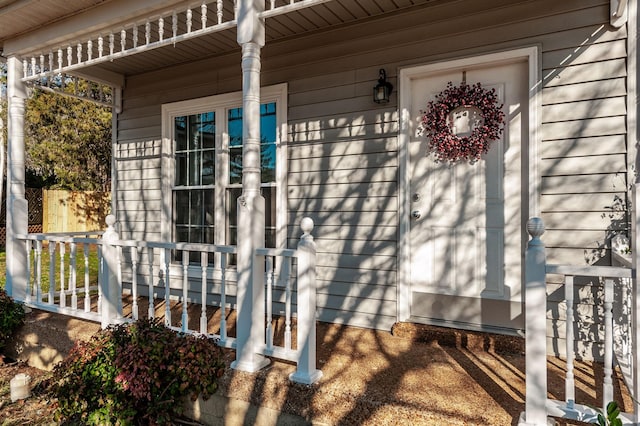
{"points": [[413, 376]]}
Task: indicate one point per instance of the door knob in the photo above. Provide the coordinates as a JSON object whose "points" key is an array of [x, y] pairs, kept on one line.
{"points": [[416, 214]]}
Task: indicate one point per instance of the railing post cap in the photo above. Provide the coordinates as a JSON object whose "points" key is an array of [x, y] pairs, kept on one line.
{"points": [[111, 220], [535, 227], [306, 225]]}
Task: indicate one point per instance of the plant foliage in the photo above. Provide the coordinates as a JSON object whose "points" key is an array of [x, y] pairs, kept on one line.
{"points": [[137, 373], [11, 317], [612, 416], [68, 141]]}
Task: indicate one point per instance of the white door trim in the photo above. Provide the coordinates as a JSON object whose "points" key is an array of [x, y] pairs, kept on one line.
{"points": [[532, 56]]}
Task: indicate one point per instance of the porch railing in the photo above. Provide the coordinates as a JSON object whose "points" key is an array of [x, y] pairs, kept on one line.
{"points": [[538, 405], [111, 281]]}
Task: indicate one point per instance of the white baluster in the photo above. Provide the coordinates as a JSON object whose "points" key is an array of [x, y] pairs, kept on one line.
{"points": [[135, 36], [69, 55], [63, 293], [147, 32], [50, 66], [203, 15], [112, 43], [60, 59], [79, 52], [100, 277], [152, 308], [119, 278], [100, 46], [33, 66], [161, 28], [607, 387], [219, 7], [123, 40], [223, 297], [185, 290], [285, 275], [87, 290], [52, 271], [270, 274], [273, 4], [204, 260], [72, 277], [38, 281], [25, 68], [174, 25], [165, 258], [30, 257], [41, 64], [134, 282], [569, 324], [89, 50], [189, 20]]}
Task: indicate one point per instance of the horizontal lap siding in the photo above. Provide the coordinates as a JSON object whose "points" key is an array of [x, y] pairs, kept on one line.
{"points": [[343, 148]]}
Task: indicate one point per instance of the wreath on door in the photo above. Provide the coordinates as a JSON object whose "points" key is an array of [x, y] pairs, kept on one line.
{"points": [[462, 122]]}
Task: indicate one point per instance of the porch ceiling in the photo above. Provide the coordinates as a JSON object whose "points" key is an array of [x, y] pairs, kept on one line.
{"points": [[18, 18]]}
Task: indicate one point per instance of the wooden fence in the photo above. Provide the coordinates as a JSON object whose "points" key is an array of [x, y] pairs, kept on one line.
{"points": [[62, 211], [74, 211]]}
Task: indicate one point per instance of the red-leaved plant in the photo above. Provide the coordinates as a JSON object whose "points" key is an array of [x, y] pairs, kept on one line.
{"points": [[137, 373]]}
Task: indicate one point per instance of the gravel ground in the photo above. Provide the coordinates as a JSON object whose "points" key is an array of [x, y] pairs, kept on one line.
{"points": [[415, 376]]}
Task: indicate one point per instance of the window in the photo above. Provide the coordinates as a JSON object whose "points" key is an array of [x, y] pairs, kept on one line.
{"points": [[202, 168]]}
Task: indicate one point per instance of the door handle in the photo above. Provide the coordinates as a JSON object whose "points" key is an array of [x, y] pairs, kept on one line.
{"points": [[416, 214]]}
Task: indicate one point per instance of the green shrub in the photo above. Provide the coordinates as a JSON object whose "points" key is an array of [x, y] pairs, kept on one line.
{"points": [[137, 373], [11, 317]]}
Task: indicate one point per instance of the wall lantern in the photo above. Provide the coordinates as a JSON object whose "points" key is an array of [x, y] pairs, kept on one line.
{"points": [[382, 90]]}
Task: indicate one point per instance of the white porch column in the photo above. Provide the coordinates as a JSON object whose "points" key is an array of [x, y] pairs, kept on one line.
{"points": [[251, 310], [17, 212]]}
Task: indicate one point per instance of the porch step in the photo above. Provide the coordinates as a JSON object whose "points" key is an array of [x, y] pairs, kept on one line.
{"points": [[461, 339]]}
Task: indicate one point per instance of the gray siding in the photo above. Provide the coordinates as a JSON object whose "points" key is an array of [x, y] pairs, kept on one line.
{"points": [[342, 149]]}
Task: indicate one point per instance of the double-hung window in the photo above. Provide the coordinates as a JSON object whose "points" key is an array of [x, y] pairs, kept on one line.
{"points": [[202, 167]]}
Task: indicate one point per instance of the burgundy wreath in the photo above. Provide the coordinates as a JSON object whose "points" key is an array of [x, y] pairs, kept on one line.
{"points": [[465, 100]]}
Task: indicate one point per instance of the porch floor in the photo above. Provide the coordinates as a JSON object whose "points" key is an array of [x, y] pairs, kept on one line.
{"points": [[416, 375]]}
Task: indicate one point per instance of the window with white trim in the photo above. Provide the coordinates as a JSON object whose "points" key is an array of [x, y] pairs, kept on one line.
{"points": [[202, 167]]}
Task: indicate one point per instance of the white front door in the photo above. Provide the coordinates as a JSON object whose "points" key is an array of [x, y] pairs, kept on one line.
{"points": [[465, 238]]}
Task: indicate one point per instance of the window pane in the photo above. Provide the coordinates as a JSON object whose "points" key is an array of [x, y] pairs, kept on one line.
{"points": [[194, 168], [208, 130], [232, 219], [181, 169], [197, 208], [180, 133], [235, 165], [194, 216], [268, 160], [208, 167], [195, 137], [235, 127], [268, 129], [182, 207]]}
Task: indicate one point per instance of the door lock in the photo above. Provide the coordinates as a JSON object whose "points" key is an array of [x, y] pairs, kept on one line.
{"points": [[416, 214]]}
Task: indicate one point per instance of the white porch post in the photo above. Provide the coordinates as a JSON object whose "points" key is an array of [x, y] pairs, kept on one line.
{"points": [[17, 212], [251, 235], [535, 328]]}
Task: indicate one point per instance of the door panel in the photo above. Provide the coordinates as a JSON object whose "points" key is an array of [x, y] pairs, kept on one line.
{"points": [[465, 235]]}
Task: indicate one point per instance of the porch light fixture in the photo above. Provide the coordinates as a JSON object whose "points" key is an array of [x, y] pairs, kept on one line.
{"points": [[382, 90]]}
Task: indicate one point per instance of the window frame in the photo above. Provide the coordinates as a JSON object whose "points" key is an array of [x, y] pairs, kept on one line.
{"points": [[220, 104]]}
